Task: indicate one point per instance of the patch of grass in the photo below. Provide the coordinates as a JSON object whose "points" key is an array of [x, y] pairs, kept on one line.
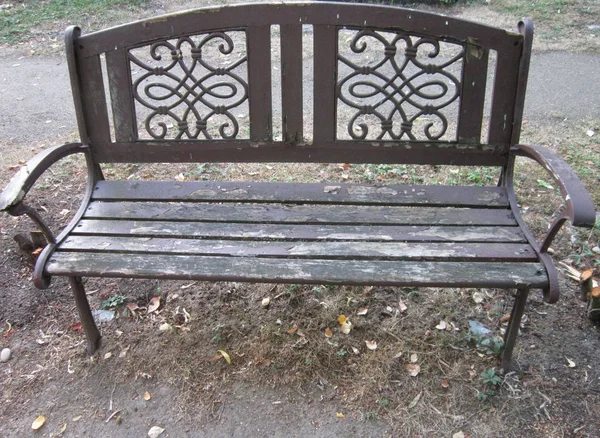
{"points": [[16, 23]]}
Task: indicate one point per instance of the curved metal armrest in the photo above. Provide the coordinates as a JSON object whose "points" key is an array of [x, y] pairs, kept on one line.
{"points": [[579, 209], [25, 178]]}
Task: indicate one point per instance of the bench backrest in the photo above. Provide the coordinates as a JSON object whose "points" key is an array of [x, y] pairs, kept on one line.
{"points": [[388, 85]]}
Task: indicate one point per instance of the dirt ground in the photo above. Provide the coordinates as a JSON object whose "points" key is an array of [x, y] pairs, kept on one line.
{"points": [[286, 378]]}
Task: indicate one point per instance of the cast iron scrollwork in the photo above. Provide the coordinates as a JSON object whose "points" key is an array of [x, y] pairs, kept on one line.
{"points": [[183, 94], [404, 93]]}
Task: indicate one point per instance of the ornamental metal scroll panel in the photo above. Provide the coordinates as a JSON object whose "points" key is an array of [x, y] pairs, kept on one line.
{"points": [[190, 88], [395, 86]]}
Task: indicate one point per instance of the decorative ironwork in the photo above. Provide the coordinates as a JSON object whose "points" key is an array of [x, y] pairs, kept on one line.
{"points": [[394, 86], [190, 86]]}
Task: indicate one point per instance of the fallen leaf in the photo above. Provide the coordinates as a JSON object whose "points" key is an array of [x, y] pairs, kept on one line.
{"points": [[371, 345], [403, 307], [266, 302], [76, 326], [328, 332], [331, 189], [63, 428], [570, 362], [154, 304], [443, 325], [362, 311], [132, 307], [225, 355], [340, 415], [413, 369], [77, 418], [355, 350], [346, 327], [478, 297], [180, 177], [293, 330], [414, 358], [146, 396], [415, 400], [107, 355], [38, 422], [445, 384], [341, 319], [37, 252], [345, 166], [505, 318], [459, 434], [165, 327], [155, 431], [590, 133]]}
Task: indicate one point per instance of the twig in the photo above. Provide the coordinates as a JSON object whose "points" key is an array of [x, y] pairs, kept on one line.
{"points": [[110, 404], [112, 415]]}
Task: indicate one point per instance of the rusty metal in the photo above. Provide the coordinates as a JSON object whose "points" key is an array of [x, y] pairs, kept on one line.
{"points": [[409, 80]]}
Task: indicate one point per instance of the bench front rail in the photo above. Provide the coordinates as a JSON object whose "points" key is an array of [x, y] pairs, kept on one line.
{"points": [[390, 85]]}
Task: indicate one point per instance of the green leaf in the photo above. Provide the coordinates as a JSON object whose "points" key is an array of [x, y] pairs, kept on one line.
{"points": [[544, 184]]}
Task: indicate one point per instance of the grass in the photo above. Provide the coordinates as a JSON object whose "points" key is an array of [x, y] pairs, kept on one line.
{"points": [[19, 22]]}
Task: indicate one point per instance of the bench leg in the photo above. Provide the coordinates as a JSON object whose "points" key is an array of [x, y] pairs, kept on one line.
{"points": [[85, 314], [513, 328]]}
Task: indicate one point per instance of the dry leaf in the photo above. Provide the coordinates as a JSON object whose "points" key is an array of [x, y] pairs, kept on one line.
{"points": [[415, 400], [346, 327], [340, 415], [459, 434], [293, 330], [154, 304], [146, 396], [355, 350], [341, 319], [413, 369], [570, 362], [362, 311], [155, 431], [107, 355], [38, 422], [132, 307], [63, 428], [165, 327], [331, 189], [504, 318], [180, 177], [266, 302], [225, 355], [371, 345], [403, 307], [328, 332], [443, 325], [414, 358], [478, 297], [445, 384], [77, 418]]}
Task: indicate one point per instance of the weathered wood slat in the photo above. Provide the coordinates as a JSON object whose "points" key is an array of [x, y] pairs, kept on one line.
{"points": [[320, 250], [472, 97], [504, 94], [325, 49], [288, 232], [402, 273], [302, 213], [315, 193], [94, 99]]}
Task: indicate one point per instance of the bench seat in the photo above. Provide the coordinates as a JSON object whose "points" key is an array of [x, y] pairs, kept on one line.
{"points": [[318, 233]]}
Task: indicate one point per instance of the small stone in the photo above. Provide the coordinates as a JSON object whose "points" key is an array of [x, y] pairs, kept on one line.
{"points": [[596, 249], [5, 355]]}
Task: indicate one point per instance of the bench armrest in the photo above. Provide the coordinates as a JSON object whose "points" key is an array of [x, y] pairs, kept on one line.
{"points": [[25, 178], [579, 209]]}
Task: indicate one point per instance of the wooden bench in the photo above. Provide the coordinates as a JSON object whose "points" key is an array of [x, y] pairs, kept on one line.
{"points": [[390, 85]]}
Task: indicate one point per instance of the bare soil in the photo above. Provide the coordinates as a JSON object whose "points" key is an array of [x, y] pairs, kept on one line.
{"points": [[286, 378]]}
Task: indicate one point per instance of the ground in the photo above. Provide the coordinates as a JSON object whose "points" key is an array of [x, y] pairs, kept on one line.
{"points": [[286, 378]]}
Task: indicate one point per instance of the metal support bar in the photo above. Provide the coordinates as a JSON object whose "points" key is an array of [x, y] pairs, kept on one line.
{"points": [[85, 314], [513, 328]]}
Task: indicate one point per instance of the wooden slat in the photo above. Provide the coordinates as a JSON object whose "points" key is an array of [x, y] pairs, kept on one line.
{"points": [[277, 213], [325, 74], [121, 97], [259, 82], [94, 99], [291, 82], [473, 93], [403, 273], [287, 232], [320, 250], [504, 95], [314, 193]]}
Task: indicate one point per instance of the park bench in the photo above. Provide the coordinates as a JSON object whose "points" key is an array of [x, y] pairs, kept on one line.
{"points": [[388, 86]]}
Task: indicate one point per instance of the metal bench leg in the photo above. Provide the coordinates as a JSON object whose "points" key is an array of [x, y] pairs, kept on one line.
{"points": [[85, 314], [513, 328]]}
